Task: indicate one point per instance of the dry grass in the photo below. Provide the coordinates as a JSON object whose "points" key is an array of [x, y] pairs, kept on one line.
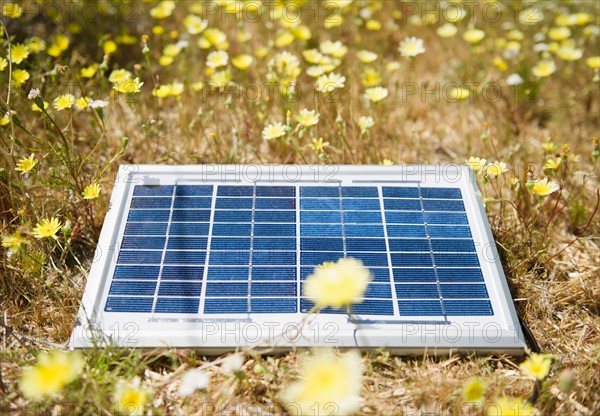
{"points": [[557, 289]]}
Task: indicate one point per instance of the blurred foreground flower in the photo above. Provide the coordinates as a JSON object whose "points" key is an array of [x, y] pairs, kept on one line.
{"points": [[50, 374], [544, 68], [328, 385], [47, 228], [339, 284], [474, 390], [193, 380], [13, 242], [130, 398], [26, 164], [536, 366], [62, 102], [509, 407], [91, 191]]}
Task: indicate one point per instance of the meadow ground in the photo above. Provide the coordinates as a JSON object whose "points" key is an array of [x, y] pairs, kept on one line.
{"points": [[512, 87]]}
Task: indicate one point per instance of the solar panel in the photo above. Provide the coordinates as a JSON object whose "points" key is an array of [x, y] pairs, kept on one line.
{"points": [[216, 257]]}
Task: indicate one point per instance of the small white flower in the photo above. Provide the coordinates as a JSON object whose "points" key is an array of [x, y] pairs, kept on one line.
{"points": [[193, 380], [33, 94], [233, 363], [98, 103], [514, 79], [365, 123]]}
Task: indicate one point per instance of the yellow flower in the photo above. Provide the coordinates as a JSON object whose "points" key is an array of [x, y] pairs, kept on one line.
{"points": [[365, 123], [216, 59], [221, 78], [307, 118], [476, 163], [312, 56], [213, 37], [552, 164], [559, 33], [163, 10], [130, 86], [64, 101], [548, 147], [242, 62], [373, 25], [273, 131], [169, 90], [496, 169], [165, 60], [302, 32], [458, 93], [130, 398], [318, 145], [500, 63], [569, 53], [376, 94], [544, 68], [335, 49], [387, 162], [89, 71], [593, 62], [13, 242], [542, 187], [62, 42], [453, 13], [197, 86], [284, 39], [194, 24], [315, 71], [328, 83], [26, 164], [82, 103], [536, 365], [411, 47], [509, 407], [52, 372], [35, 107], [366, 57], [109, 47], [18, 53], [474, 390], [173, 49], [5, 120], [119, 75], [12, 10], [447, 30], [91, 191], [337, 285], [20, 76], [3, 64], [473, 36], [329, 385], [47, 228]]}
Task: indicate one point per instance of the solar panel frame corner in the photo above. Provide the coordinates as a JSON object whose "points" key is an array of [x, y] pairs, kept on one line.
{"points": [[500, 333]]}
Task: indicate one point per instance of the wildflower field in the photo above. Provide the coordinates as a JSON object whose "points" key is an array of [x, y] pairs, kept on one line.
{"points": [[510, 88]]}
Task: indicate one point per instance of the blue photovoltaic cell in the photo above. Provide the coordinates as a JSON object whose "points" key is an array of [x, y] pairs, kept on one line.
{"points": [[243, 256], [153, 190], [194, 190], [149, 215]]}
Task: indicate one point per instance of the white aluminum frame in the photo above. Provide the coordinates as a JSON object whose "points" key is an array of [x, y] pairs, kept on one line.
{"points": [[500, 333]]}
